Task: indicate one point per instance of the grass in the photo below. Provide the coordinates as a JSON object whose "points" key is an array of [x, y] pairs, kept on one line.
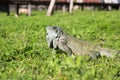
{"points": [[24, 54]]}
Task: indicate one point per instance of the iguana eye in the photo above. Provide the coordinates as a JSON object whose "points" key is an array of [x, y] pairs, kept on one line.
{"points": [[56, 36]]}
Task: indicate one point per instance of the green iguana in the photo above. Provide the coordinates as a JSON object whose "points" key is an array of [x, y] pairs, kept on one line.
{"points": [[57, 39]]}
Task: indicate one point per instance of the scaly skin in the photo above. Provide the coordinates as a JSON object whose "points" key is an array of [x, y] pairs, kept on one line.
{"points": [[56, 38], [80, 47]]}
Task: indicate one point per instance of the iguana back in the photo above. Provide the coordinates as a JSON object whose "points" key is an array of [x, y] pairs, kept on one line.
{"points": [[79, 46]]}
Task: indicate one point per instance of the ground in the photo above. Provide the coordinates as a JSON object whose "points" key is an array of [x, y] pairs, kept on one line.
{"points": [[24, 54]]}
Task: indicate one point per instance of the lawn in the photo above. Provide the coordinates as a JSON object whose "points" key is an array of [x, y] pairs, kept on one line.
{"points": [[24, 54]]}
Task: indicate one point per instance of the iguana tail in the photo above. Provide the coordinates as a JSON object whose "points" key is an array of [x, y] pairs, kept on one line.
{"points": [[109, 53]]}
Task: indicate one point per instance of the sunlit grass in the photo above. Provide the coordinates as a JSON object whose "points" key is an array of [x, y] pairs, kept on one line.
{"points": [[24, 54]]}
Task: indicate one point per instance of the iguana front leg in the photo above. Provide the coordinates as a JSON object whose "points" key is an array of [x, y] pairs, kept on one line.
{"points": [[67, 49], [63, 45]]}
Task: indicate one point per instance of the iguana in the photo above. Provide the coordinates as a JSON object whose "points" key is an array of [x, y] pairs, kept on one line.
{"points": [[57, 39]]}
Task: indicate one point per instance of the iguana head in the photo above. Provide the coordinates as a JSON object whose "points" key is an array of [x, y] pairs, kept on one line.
{"points": [[53, 34]]}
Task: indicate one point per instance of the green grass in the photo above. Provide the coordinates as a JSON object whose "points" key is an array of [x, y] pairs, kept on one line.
{"points": [[24, 54]]}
